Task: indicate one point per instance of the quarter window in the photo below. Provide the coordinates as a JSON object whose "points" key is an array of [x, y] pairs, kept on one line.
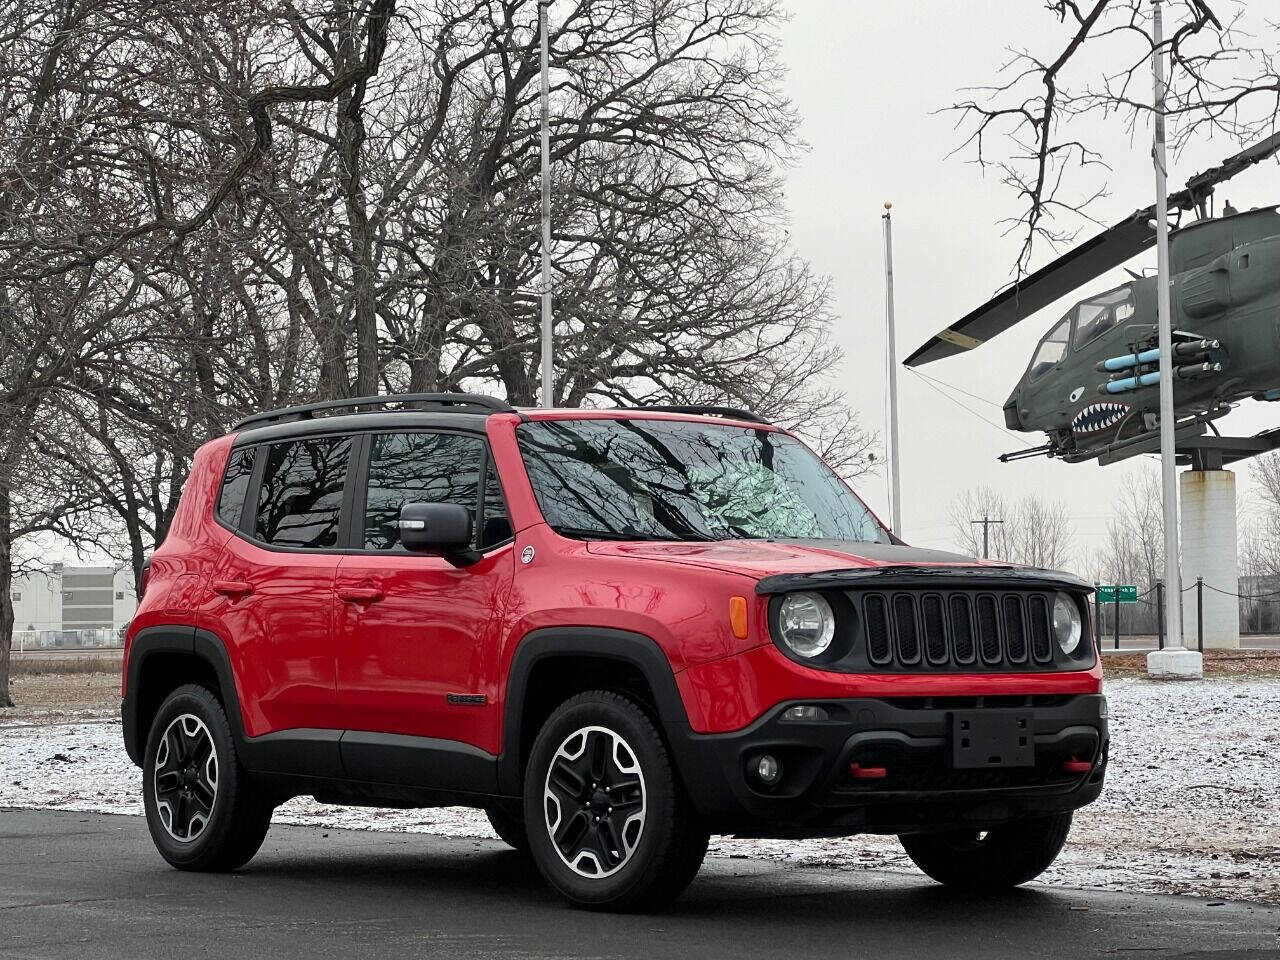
{"points": [[418, 468], [235, 484], [300, 500]]}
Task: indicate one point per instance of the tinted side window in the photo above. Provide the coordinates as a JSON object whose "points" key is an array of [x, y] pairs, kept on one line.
{"points": [[300, 500], [422, 468], [235, 484]]}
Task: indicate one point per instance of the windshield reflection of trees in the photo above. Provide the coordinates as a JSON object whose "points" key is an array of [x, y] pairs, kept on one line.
{"points": [[667, 480]]}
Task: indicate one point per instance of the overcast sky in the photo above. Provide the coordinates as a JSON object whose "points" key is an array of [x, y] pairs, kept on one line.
{"points": [[866, 78]]}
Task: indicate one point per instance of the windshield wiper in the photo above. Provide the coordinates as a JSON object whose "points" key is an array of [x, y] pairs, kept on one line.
{"points": [[582, 533]]}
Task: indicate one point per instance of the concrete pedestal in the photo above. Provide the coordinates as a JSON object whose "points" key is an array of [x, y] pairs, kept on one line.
{"points": [[1208, 528], [1175, 663]]}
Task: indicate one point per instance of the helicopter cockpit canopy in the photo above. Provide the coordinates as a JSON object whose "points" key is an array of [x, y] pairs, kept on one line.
{"points": [[1083, 324], [1095, 317]]}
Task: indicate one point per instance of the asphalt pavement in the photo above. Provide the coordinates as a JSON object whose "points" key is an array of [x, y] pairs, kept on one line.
{"points": [[76, 885]]}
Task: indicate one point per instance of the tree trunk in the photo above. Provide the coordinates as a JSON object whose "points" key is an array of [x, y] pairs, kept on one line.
{"points": [[6, 597]]}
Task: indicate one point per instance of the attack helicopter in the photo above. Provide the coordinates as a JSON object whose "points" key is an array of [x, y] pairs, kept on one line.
{"points": [[1092, 385]]}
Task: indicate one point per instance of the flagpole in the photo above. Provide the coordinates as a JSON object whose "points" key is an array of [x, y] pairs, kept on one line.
{"points": [[547, 395], [895, 481]]}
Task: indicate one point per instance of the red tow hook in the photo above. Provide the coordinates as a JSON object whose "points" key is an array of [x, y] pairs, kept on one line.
{"points": [[859, 772], [1076, 765]]}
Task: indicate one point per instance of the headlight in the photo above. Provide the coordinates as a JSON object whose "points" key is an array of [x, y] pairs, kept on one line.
{"points": [[806, 624], [1066, 623]]}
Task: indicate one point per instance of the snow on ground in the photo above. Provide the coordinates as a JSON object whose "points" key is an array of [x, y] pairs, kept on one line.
{"points": [[1191, 805]]}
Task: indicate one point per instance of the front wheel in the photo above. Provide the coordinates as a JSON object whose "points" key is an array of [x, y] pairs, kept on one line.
{"points": [[202, 810], [609, 825], [1002, 857]]}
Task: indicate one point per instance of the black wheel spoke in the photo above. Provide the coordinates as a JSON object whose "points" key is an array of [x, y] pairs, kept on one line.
{"points": [[609, 841], [573, 827], [568, 782], [598, 754]]}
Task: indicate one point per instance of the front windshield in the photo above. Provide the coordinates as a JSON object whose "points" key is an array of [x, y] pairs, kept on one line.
{"points": [[680, 480]]}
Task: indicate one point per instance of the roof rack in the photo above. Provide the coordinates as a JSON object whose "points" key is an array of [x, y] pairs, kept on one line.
{"points": [[453, 402], [704, 410]]}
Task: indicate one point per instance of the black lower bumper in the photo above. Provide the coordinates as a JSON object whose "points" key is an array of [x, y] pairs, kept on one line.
{"points": [[897, 765]]}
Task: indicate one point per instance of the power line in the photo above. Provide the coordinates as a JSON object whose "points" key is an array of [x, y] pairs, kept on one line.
{"points": [[990, 423]]}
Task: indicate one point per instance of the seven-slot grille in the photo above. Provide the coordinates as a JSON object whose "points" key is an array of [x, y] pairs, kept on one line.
{"points": [[956, 629]]}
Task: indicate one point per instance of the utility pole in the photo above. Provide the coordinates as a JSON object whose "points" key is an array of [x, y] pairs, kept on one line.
{"points": [[895, 478], [1174, 659], [547, 396], [986, 541]]}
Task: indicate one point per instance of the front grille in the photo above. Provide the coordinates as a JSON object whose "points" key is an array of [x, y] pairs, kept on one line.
{"points": [[954, 630]]}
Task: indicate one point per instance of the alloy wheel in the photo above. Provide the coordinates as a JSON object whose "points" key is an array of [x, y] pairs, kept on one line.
{"points": [[186, 778], [594, 802]]}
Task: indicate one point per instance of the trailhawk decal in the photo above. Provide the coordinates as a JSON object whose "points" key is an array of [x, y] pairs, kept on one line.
{"points": [[1098, 416]]}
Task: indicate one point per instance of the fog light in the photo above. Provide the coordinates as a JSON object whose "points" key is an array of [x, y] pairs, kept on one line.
{"points": [[768, 769], [807, 714]]}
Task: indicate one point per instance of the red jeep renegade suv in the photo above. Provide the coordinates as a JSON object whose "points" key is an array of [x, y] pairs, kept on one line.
{"points": [[616, 631]]}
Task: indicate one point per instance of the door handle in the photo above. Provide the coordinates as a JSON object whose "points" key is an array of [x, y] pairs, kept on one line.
{"points": [[232, 588], [360, 594]]}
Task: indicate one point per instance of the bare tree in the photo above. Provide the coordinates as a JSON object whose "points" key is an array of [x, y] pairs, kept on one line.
{"points": [[1029, 530], [1027, 123]]}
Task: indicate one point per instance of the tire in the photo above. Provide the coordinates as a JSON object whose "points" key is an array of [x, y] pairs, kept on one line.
{"points": [[202, 810], [613, 829], [1009, 854], [510, 830]]}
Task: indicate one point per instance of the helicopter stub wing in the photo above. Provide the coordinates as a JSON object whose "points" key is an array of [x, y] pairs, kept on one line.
{"points": [[1033, 293]]}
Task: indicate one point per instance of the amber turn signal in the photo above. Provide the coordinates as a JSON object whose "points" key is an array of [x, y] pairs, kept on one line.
{"points": [[738, 616]]}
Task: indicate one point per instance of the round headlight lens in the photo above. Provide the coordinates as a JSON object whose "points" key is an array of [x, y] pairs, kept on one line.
{"points": [[806, 624], [1066, 623]]}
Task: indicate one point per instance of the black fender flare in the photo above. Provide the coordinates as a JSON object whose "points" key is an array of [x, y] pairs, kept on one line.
{"points": [[186, 640], [635, 649]]}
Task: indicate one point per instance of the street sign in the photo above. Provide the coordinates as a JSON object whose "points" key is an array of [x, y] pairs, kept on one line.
{"points": [[1128, 593]]}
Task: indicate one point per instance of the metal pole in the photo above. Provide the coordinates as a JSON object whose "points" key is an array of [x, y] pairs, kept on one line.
{"points": [[895, 486], [1168, 468], [1160, 613], [1200, 614], [1097, 617], [547, 396], [1115, 601]]}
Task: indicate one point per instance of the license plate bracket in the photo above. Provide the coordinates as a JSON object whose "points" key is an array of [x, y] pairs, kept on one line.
{"points": [[986, 739]]}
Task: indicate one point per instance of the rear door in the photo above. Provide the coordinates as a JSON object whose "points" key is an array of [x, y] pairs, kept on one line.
{"points": [[273, 590], [416, 633]]}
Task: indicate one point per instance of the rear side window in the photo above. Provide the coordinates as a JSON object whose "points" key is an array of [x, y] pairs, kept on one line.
{"points": [[300, 500], [418, 468], [235, 484]]}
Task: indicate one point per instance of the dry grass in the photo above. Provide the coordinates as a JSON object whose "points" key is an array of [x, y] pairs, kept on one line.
{"points": [[22, 666], [1217, 663], [63, 697]]}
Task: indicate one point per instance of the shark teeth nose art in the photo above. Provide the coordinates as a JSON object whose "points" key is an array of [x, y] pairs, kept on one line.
{"points": [[1098, 416]]}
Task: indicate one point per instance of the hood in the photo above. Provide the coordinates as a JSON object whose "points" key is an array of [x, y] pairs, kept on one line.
{"points": [[763, 558]]}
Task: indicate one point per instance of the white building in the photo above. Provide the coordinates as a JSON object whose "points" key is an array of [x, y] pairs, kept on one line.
{"points": [[68, 606]]}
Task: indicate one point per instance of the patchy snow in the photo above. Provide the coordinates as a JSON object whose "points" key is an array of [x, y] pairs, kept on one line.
{"points": [[1192, 802]]}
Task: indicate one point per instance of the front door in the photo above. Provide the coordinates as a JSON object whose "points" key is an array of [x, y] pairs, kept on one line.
{"points": [[417, 634]]}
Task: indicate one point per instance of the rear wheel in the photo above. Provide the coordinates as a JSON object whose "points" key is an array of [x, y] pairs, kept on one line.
{"points": [[1002, 857], [609, 825], [510, 829], [202, 810]]}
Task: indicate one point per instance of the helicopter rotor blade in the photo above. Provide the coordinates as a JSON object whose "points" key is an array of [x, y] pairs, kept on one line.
{"points": [[1078, 266]]}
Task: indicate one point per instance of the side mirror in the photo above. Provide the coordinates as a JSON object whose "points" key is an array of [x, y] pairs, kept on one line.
{"points": [[435, 528]]}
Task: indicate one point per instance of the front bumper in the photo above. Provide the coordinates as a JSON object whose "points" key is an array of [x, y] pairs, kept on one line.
{"points": [[907, 744]]}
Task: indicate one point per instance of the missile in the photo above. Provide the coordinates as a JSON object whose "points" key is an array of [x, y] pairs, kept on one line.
{"points": [[1186, 349], [1190, 371]]}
